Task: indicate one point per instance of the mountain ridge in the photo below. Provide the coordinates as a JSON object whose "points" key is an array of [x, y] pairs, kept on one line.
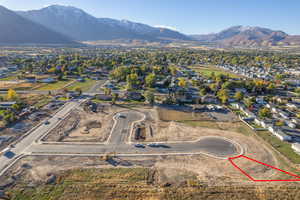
{"points": [[82, 26], [251, 36], [18, 30]]}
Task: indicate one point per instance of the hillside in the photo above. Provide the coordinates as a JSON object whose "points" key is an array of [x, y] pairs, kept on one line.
{"points": [[249, 36], [18, 30], [82, 26]]}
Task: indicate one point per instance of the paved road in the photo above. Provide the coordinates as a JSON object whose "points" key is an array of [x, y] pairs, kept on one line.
{"points": [[119, 137], [216, 147], [34, 135], [117, 141], [122, 127]]}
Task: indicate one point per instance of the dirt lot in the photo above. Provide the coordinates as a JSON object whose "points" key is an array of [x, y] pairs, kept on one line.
{"points": [[158, 130], [85, 126], [190, 130], [81, 125], [17, 85], [164, 177], [161, 177], [174, 125]]}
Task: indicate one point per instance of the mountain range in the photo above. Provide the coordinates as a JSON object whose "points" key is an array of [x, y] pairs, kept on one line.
{"points": [[249, 36], [18, 30], [58, 24], [81, 26]]}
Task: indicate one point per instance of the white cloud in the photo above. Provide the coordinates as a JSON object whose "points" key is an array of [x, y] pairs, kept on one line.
{"points": [[168, 27]]}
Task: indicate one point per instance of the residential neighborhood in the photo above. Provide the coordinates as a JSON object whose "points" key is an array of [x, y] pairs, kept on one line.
{"points": [[173, 100]]}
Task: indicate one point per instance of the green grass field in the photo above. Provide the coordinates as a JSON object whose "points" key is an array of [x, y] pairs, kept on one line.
{"points": [[9, 78], [208, 70], [84, 86], [55, 86]]}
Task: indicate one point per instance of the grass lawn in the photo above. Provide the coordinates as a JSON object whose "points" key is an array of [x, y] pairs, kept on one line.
{"points": [[9, 78], [208, 69], [55, 86], [283, 147], [44, 100], [84, 86]]}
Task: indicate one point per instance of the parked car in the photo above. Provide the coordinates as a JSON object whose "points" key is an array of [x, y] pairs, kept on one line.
{"points": [[153, 145], [139, 146], [121, 116], [46, 122]]}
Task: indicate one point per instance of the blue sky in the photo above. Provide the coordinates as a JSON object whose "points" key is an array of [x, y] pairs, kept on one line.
{"points": [[187, 16]]}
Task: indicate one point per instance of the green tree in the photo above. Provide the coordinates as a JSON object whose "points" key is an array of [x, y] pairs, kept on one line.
{"points": [[264, 113], [149, 95], [239, 96], [203, 92], [249, 101], [9, 117], [173, 70], [223, 95], [132, 81], [150, 80], [107, 91], [16, 107], [115, 97], [78, 90], [213, 87]]}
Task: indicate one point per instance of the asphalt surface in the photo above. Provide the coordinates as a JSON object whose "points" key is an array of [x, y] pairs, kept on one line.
{"points": [[35, 134], [212, 146], [122, 127], [118, 141]]}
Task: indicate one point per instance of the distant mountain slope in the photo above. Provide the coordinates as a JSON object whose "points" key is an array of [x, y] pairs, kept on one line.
{"points": [[248, 36], [81, 26], [18, 30]]}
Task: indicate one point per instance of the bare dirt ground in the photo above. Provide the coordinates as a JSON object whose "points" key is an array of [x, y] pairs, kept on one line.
{"points": [[167, 130], [169, 169], [84, 126], [16, 84], [175, 170]]}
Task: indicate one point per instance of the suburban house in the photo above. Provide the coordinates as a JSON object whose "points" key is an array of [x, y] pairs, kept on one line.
{"points": [[296, 147], [104, 97], [48, 80], [7, 105], [136, 96], [279, 133], [30, 79], [210, 99]]}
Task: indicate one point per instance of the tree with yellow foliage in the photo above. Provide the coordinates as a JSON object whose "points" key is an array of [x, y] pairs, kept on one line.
{"points": [[11, 94], [182, 83]]}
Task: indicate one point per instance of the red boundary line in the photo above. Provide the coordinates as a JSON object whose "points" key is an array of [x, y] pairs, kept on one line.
{"points": [[255, 180]]}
